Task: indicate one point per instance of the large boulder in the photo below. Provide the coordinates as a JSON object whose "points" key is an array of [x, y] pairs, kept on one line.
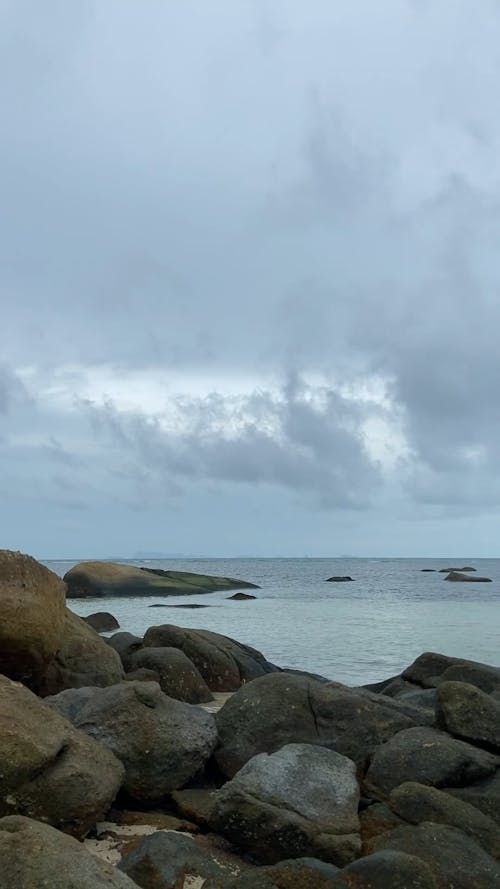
{"points": [[224, 663], [82, 659], [105, 579], [161, 742], [283, 708], [166, 860], [34, 855], [427, 756], [301, 800], [469, 713], [51, 771], [455, 860], [430, 670], [178, 677], [32, 603], [416, 803]]}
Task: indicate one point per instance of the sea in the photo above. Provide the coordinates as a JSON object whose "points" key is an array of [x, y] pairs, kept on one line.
{"points": [[354, 633]]}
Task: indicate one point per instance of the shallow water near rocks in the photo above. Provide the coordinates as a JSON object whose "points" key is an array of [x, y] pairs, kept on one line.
{"points": [[355, 632]]}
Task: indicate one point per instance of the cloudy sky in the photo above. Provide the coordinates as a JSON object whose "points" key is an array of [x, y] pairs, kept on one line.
{"points": [[249, 277]]}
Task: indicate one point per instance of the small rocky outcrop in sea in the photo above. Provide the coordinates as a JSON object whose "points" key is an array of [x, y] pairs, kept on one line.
{"points": [[459, 576], [339, 579], [447, 570], [105, 579], [241, 597]]}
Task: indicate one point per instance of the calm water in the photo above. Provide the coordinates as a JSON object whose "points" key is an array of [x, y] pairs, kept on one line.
{"points": [[352, 632]]}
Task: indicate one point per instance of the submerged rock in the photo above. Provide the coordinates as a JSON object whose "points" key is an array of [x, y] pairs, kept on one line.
{"points": [[301, 800], [338, 579], [241, 597], [104, 579], [447, 570]]}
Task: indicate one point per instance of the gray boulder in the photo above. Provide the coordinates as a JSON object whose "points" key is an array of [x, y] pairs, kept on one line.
{"points": [[454, 859], [161, 742], [464, 710], [416, 803], [283, 708], [224, 663], [427, 756], [125, 645], [34, 855], [49, 770], [387, 869], [179, 678], [164, 861], [300, 801], [430, 669]]}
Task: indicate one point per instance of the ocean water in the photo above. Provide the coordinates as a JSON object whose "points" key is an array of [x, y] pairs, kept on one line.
{"points": [[352, 632]]}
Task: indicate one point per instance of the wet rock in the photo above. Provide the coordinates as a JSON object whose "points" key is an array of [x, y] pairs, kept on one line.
{"points": [[187, 605], [454, 859], [431, 669], [164, 860], [469, 713], [300, 801], [32, 603], [448, 570], [161, 742], [283, 708], [416, 803], [224, 663], [102, 621], [179, 678], [427, 756], [49, 770], [428, 570], [339, 579], [34, 855], [82, 659]]}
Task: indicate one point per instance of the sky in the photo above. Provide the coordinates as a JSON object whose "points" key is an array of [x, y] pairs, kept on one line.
{"points": [[249, 278]]}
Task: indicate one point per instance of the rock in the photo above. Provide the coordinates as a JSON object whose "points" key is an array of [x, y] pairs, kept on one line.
{"points": [[161, 742], [464, 578], [49, 770], [416, 803], [448, 570], [455, 860], [296, 873], [224, 663], [105, 579], [427, 756], [102, 621], [387, 869], [160, 820], [338, 579], [241, 597], [194, 804], [187, 605], [469, 713], [376, 819], [125, 644], [34, 855], [283, 708], [430, 669], [484, 795], [83, 659], [412, 694], [300, 801], [429, 570], [179, 678], [32, 601], [142, 675], [164, 860]]}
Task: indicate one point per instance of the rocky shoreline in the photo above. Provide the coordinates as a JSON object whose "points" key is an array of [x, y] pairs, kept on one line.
{"points": [[186, 760]]}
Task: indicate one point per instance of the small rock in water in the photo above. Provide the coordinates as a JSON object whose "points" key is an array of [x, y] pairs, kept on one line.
{"points": [[339, 579], [102, 621], [240, 597], [190, 605], [464, 578]]}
